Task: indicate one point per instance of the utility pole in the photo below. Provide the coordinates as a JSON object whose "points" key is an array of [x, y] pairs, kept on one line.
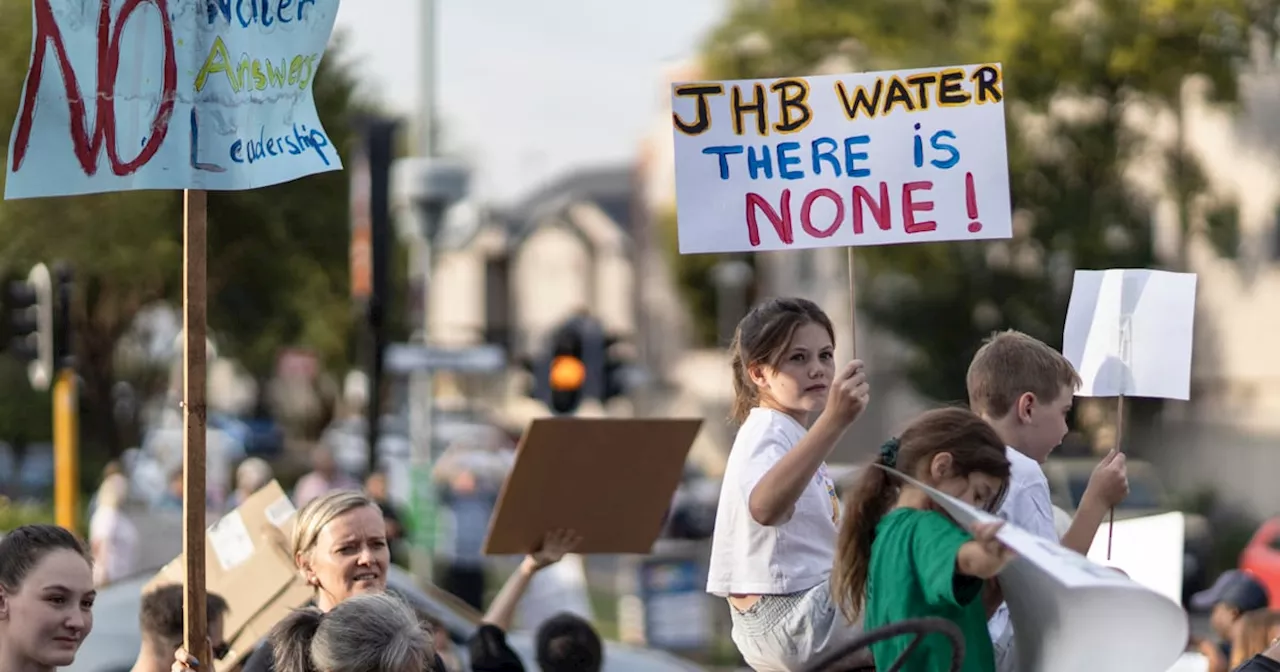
{"points": [[434, 185]]}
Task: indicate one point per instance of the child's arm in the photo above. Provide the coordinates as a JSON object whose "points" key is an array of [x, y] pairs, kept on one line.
{"points": [[1108, 486], [985, 556], [774, 496]]}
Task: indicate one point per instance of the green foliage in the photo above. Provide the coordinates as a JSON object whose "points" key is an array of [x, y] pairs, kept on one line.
{"points": [[277, 257], [1073, 209]]}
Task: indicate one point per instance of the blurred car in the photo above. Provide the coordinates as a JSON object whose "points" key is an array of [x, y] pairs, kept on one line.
{"points": [[693, 506], [1069, 476], [114, 642], [1261, 558]]}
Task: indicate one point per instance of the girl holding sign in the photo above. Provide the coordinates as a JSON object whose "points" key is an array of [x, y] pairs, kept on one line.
{"points": [[775, 533], [906, 558]]}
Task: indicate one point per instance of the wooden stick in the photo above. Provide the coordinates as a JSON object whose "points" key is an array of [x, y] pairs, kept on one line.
{"points": [[194, 329], [1111, 517], [853, 307]]}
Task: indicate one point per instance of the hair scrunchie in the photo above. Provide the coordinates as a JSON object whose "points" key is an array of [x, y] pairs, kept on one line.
{"points": [[889, 453]]}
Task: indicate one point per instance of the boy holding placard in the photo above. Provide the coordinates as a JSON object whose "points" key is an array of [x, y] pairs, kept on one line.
{"points": [[1025, 389]]}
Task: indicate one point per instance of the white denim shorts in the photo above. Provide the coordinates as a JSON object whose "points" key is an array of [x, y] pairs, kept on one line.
{"points": [[784, 633]]}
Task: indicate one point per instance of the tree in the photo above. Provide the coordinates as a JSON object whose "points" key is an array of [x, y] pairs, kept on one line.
{"points": [[277, 259], [1073, 206]]}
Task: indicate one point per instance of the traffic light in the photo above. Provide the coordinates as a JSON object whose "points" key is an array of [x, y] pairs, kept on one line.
{"points": [[579, 362], [29, 312]]}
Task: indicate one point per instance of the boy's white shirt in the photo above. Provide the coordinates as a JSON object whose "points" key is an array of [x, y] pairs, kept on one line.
{"points": [[1028, 506], [748, 558]]}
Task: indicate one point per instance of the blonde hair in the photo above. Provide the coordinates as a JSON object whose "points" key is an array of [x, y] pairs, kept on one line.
{"points": [[318, 513], [1253, 635], [1010, 364], [376, 632]]}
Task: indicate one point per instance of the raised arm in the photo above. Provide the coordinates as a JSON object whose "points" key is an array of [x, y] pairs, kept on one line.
{"points": [[554, 547], [774, 496]]}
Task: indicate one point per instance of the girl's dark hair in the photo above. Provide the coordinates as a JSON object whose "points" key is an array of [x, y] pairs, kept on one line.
{"points": [[762, 337], [22, 549], [974, 447]]}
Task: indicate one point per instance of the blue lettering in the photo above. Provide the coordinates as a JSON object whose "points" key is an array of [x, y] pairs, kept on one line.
{"points": [[918, 152], [759, 163], [828, 155], [942, 145], [850, 156], [318, 143], [271, 146], [236, 148], [258, 11], [195, 148], [785, 161], [723, 151]]}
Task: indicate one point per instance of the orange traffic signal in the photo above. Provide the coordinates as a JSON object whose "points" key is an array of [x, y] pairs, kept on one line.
{"points": [[567, 373]]}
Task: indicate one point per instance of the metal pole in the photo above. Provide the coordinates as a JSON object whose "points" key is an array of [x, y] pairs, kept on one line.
{"points": [[421, 398], [66, 452]]}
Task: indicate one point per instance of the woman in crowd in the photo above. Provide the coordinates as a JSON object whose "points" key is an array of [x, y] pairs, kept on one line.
{"points": [[1253, 634], [46, 598], [340, 547], [367, 633], [113, 538]]}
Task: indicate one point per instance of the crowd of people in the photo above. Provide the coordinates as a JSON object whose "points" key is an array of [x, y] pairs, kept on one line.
{"points": [[802, 573]]}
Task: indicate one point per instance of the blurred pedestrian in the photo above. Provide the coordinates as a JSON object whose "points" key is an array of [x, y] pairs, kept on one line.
{"points": [[1233, 595], [252, 475], [161, 622], [113, 538], [324, 477]]}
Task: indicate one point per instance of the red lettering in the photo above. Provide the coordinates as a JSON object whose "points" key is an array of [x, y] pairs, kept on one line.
{"points": [[910, 207], [879, 210], [87, 143], [807, 224], [781, 222]]}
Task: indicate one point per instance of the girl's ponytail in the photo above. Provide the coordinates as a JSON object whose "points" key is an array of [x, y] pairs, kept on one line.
{"points": [[871, 499]]}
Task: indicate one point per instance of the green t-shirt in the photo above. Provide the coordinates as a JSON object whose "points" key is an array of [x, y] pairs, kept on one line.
{"points": [[913, 575]]}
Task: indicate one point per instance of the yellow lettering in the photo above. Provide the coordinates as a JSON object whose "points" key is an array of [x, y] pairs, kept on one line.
{"points": [[259, 79], [277, 77], [295, 70], [217, 61]]}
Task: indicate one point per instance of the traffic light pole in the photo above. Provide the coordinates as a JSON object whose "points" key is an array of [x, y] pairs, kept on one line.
{"points": [[66, 449]]}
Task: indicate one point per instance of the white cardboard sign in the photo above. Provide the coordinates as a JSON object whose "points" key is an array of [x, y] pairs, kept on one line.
{"points": [[1070, 614], [1149, 549], [1129, 332], [879, 158]]}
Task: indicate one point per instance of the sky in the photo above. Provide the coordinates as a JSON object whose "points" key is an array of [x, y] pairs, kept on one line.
{"points": [[511, 76]]}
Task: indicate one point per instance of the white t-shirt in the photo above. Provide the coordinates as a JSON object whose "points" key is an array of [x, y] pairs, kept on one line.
{"points": [[748, 558], [118, 538], [1027, 505]]}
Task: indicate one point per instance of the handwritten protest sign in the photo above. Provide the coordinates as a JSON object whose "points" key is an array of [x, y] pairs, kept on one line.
{"points": [[1070, 614], [177, 94], [881, 158]]}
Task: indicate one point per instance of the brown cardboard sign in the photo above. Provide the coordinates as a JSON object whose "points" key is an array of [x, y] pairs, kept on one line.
{"points": [[611, 480], [248, 564]]}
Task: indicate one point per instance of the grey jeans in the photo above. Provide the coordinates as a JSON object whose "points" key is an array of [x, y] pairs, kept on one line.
{"points": [[783, 633]]}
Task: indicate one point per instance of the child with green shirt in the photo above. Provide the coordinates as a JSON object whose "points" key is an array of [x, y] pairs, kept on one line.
{"points": [[900, 557]]}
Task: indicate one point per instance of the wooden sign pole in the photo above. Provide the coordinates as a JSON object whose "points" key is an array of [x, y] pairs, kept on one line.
{"points": [[194, 329], [853, 308]]}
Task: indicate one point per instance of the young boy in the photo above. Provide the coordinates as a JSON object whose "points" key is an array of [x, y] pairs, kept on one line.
{"points": [[1025, 389]]}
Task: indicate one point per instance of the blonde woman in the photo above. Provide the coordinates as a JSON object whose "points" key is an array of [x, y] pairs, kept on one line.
{"points": [[340, 547]]}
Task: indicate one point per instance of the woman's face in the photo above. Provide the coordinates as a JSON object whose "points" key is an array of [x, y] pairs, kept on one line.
{"points": [[51, 613], [350, 557]]}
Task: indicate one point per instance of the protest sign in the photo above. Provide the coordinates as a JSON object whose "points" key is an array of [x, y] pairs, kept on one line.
{"points": [[178, 94], [1150, 549], [1070, 614], [1129, 333], [880, 158]]}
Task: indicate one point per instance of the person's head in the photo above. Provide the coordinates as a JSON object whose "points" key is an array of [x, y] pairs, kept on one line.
{"points": [[175, 482], [376, 485], [367, 633], [340, 546], [1233, 595], [783, 358], [46, 596], [567, 643], [1025, 388], [160, 618], [113, 492], [1253, 634], [252, 475], [950, 449], [322, 461]]}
